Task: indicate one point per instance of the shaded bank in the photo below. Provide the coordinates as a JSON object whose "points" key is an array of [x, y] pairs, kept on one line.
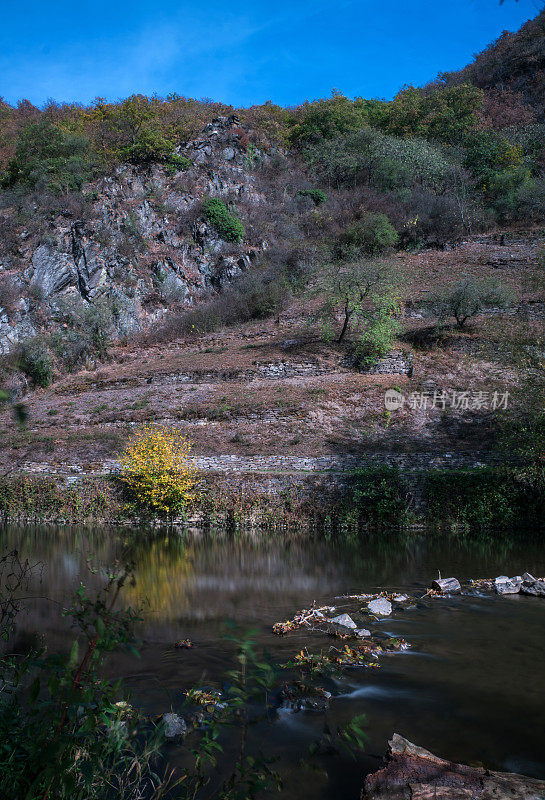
{"points": [[381, 496]]}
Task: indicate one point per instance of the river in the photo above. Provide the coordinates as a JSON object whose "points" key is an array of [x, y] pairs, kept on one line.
{"points": [[469, 688]]}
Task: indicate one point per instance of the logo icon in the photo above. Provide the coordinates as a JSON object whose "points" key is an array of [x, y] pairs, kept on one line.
{"points": [[393, 400]]}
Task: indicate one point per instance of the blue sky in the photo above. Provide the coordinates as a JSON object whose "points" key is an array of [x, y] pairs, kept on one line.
{"points": [[240, 52]]}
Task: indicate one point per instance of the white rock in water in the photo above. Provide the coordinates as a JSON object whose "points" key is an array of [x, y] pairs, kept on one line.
{"points": [[362, 633], [380, 606], [345, 620], [528, 577], [447, 585], [506, 585], [174, 725], [400, 598]]}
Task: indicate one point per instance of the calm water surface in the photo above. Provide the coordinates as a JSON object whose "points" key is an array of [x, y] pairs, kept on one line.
{"points": [[470, 688]]}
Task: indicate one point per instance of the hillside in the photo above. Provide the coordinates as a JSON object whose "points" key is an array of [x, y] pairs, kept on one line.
{"points": [[258, 278], [512, 67]]}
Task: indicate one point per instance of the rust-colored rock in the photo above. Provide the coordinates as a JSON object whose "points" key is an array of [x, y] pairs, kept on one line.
{"points": [[413, 773]]}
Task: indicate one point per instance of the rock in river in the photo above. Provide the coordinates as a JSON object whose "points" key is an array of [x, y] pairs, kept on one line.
{"points": [[506, 585], [380, 606], [535, 587], [345, 620], [412, 772], [362, 633], [174, 725]]}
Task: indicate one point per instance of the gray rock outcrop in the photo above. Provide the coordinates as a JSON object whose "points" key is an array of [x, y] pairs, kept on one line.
{"points": [[142, 245]]}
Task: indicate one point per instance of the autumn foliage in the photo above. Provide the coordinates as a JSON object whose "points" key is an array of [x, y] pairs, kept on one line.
{"points": [[157, 468]]}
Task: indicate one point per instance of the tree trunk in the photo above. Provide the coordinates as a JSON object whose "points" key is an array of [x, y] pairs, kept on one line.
{"points": [[345, 327]]}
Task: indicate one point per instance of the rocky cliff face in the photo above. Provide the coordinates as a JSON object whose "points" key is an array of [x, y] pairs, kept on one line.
{"points": [[142, 245]]}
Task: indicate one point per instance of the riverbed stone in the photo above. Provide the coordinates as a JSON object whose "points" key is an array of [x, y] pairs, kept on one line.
{"points": [[400, 598], [505, 585], [535, 587], [174, 725], [345, 620], [380, 606], [362, 633]]}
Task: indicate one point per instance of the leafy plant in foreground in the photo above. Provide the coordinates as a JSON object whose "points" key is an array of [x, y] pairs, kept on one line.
{"points": [[64, 735]]}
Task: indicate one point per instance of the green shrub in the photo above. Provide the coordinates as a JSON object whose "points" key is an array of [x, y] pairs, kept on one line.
{"points": [[444, 114], [370, 236], [509, 192], [86, 331], [382, 327], [469, 298], [48, 158], [35, 361], [370, 158], [378, 495], [229, 227], [316, 195], [181, 163], [150, 145], [327, 118], [482, 498]]}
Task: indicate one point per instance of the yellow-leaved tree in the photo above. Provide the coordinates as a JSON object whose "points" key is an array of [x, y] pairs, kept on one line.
{"points": [[157, 468]]}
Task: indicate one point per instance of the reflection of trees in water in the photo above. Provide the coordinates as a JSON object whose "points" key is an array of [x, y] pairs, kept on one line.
{"points": [[199, 576], [162, 567]]}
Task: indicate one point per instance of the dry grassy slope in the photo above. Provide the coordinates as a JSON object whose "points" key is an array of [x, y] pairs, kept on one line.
{"points": [[212, 389]]}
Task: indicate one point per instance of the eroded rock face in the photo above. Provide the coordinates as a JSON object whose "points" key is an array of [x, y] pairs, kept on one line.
{"points": [[143, 245], [413, 773]]}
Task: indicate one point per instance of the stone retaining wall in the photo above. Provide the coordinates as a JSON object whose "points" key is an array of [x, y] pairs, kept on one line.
{"points": [[261, 490], [293, 465], [393, 364]]}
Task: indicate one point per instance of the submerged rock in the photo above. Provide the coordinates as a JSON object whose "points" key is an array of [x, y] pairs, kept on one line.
{"points": [[345, 620], [412, 772], [380, 606], [298, 697], [447, 585], [400, 598], [362, 633], [174, 725]]}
